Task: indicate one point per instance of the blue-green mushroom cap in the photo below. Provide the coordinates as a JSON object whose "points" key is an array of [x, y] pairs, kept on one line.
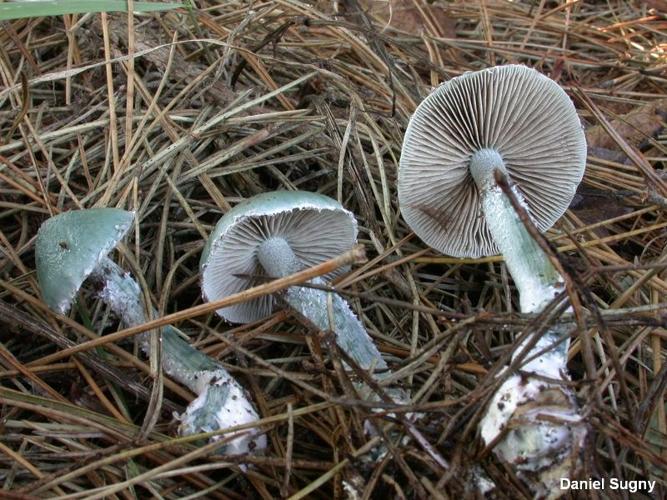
{"points": [[69, 247], [316, 227]]}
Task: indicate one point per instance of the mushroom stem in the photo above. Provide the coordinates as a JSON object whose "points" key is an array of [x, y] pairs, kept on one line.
{"points": [[351, 336], [221, 401], [534, 275], [278, 260], [540, 418]]}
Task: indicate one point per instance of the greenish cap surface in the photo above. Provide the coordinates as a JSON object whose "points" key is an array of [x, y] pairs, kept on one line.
{"points": [[69, 247]]}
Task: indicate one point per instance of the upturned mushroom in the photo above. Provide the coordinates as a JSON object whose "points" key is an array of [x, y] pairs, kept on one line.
{"points": [[514, 123], [71, 248], [276, 234]]}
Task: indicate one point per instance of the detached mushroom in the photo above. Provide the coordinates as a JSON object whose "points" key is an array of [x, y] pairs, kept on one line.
{"points": [[276, 234], [513, 122], [73, 246]]}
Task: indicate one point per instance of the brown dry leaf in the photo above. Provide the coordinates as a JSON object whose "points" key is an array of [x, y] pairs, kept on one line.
{"points": [[635, 127], [593, 205], [411, 16]]}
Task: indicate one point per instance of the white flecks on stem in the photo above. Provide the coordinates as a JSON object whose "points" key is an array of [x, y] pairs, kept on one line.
{"points": [[278, 260], [534, 275], [221, 401], [120, 292], [533, 419], [351, 336]]}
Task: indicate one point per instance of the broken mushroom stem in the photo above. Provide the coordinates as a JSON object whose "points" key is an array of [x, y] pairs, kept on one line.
{"points": [[71, 248], [221, 402]]}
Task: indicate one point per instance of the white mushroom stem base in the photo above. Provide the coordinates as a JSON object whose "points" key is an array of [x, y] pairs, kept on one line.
{"points": [[535, 424], [278, 260], [221, 402]]}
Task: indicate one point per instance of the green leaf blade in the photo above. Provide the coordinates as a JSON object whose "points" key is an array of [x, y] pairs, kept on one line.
{"points": [[26, 9]]}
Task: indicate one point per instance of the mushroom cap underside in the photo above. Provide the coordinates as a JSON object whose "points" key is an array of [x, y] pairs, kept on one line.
{"points": [[70, 245], [518, 112], [315, 226]]}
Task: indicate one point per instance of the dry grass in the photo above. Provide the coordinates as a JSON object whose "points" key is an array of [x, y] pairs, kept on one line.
{"points": [[181, 115]]}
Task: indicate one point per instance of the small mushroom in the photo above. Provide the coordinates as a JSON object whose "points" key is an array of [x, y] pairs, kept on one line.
{"points": [[513, 122], [72, 247], [273, 235]]}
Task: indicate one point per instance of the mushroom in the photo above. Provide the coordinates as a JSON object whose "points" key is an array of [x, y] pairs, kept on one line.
{"points": [[514, 123], [272, 235], [72, 247]]}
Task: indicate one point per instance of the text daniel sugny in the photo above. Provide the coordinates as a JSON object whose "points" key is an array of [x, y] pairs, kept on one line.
{"points": [[613, 484]]}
